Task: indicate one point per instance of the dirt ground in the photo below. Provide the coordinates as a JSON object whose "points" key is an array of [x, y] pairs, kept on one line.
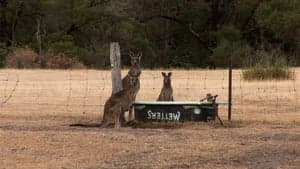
{"points": [[260, 135]]}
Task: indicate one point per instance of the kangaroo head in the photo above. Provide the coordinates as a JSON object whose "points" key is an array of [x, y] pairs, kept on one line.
{"points": [[167, 78], [135, 58], [135, 69]]}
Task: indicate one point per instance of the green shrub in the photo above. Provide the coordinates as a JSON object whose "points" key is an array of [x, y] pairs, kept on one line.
{"points": [[273, 67], [229, 45], [62, 43]]}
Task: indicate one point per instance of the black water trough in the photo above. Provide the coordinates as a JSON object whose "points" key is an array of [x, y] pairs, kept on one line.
{"points": [[176, 111]]}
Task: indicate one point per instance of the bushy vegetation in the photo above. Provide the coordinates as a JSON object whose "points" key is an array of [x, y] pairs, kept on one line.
{"points": [[273, 66], [3, 53], [170, 33], [22, 58], [27, 58]]}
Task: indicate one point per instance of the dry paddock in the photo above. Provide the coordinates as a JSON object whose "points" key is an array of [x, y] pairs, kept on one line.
{"points": [[37, 107]]}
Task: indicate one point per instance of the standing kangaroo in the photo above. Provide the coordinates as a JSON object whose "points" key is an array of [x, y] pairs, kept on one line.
{"points": [[166, 93], [118, 104], [135, 70]]}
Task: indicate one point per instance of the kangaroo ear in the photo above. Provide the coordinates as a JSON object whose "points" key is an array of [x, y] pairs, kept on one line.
{"points": [[140, 56], [131, 54], [170, 74], [164, 74]]}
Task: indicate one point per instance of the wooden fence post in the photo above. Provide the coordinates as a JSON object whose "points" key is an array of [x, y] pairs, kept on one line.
{"points": [[115, 62]]}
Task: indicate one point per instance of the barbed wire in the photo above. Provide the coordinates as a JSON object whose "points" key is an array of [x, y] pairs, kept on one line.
{"points": [[86, 91]]}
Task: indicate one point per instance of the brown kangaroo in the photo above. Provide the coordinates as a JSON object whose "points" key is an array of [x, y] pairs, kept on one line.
{"points": [[135, 70], [166, 93], [118, 104]]}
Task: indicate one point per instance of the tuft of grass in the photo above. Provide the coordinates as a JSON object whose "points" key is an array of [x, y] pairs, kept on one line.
{"points": [[269, 68]]}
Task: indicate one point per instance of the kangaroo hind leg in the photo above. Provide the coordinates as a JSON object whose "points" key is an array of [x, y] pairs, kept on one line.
{"points": [[117, 115]]}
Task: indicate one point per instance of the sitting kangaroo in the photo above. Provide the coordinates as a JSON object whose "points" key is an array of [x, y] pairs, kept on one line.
{"points": [[135, 70], [118, 104], [166, 93]]}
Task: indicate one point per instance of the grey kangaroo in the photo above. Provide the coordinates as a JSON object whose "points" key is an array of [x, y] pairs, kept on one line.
{"points": [[118, 104], [166, 93], [135, 70]]}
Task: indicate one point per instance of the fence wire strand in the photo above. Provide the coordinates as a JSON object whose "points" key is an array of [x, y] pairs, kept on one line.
{"points": [[10, 95]]}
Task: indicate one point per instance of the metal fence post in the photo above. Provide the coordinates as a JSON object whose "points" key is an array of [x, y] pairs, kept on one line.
{"points": [[230, 90]]}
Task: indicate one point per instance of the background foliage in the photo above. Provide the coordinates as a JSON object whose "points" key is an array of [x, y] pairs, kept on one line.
{"points": [[170, 33]]}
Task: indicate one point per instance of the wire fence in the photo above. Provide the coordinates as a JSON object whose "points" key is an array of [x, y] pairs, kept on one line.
{"points": [[65, 92]]}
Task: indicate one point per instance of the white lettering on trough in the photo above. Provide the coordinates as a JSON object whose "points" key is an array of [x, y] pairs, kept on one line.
{"points": [[163, 116]]}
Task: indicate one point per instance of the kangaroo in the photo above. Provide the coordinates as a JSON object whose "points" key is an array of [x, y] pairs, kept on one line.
{"points": [[135, 70], [118, 104], [166, 93]]}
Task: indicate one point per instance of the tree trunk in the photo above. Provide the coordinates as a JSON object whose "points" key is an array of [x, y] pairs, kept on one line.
{"points": [[14, 23], [38, 34], [115, 61]]}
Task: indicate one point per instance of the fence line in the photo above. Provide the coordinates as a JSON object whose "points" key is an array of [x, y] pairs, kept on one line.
{"points": [[77, 91]]}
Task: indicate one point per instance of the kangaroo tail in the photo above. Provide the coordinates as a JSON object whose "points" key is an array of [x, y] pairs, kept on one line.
{"points": [[77, 125], [84, 125], [105, 124]]}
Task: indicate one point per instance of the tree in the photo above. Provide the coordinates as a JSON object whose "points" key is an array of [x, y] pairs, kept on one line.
{"points": [[170, 33]]}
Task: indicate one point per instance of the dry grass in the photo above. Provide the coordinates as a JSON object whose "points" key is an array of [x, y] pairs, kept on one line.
{"points": [[35, 119]]}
